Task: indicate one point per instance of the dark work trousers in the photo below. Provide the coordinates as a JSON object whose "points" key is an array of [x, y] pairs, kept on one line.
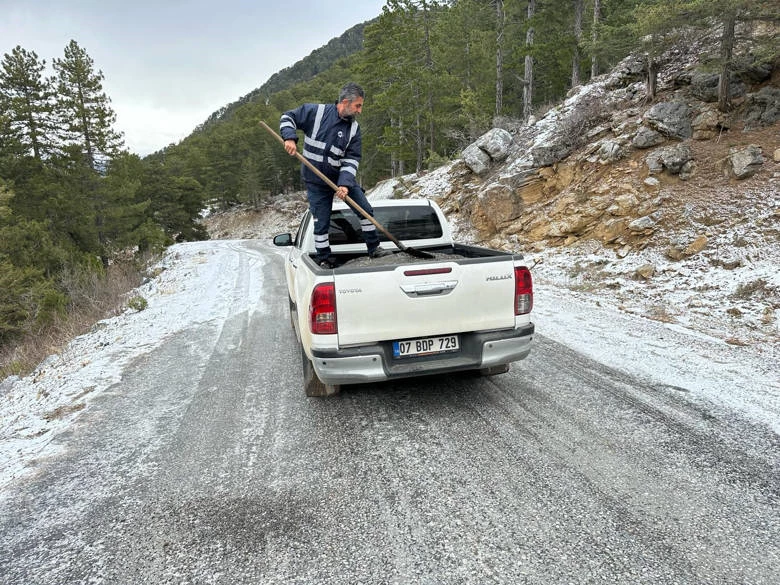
{"points": [[320, 203]]}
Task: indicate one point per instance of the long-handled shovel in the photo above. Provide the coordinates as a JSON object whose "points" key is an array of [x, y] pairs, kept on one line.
{"points": [[351, 202]]}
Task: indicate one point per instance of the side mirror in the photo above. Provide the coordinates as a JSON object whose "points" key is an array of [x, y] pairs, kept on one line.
{"points": [[283, 240]]}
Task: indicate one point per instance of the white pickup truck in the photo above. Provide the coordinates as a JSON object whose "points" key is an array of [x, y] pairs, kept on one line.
{"points": [[368, 320]]}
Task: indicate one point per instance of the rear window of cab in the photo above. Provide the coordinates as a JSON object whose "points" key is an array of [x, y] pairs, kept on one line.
{"points": [[405, 223]]}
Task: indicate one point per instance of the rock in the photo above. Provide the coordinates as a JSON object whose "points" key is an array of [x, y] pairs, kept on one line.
{"points": [[629, 70], [612, 231], [647, 138], [672, 158], [476, 159], [610, 150], [494, 208], [708, 124], [567, 226], [492, 146], [655, 164], [704, 86], [745, 161], [645, 271], [729, 262], [687, 170], [652, 182], [762, 108], [696, 245], [756, 72], [496, 143], [551, 153], [623, 205], [671, 119], [674, 253], [642, 224], [596, 132], [776, 155]]}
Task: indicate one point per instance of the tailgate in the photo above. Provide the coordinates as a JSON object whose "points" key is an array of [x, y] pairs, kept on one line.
{"points": [[416, 300]]}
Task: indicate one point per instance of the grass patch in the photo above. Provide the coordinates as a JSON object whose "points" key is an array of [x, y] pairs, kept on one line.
{"points": [[92, 298], [63, 411], [137, 303], [662, 315], [749, 289]]}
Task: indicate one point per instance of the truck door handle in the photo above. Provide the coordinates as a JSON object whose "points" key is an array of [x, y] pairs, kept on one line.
{"points": [[437, 288]]}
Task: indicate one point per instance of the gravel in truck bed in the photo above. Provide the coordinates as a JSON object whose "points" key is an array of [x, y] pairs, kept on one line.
{"points": [[398, 258]]}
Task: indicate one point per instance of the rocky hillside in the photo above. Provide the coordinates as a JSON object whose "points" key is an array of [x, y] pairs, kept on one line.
{"points": [[668, 209]]}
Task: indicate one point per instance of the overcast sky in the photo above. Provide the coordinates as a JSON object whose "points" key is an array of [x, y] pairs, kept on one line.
{"points": [[168, 64]]}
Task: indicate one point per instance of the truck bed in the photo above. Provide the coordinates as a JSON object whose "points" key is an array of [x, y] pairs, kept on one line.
{"points": [[442, 253]]}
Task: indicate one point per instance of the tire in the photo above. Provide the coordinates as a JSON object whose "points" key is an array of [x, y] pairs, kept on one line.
{"points": [[312, 384], [494, 370]]}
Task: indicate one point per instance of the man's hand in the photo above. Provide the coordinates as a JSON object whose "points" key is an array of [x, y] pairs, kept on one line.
{"points": [[290, 147], [342, 192]]}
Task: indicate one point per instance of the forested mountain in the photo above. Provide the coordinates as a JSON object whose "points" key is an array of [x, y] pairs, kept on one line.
{"points": [[437, 75], [318, 61]]}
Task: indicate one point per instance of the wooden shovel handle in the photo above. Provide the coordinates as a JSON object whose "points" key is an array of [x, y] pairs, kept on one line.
{"points": [[333, 186]]}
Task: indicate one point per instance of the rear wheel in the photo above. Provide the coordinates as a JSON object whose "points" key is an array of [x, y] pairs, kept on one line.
{"points": [[493, 370], [312, 384]]}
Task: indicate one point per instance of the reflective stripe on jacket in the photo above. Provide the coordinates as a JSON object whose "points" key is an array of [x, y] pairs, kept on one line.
{"points": [[331, 143]]}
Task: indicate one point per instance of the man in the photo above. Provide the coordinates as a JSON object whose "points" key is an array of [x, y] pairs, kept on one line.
{"points": [[332, 143]]}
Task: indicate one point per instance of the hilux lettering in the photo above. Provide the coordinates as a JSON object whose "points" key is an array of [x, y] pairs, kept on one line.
{"points": [[504, 277]]}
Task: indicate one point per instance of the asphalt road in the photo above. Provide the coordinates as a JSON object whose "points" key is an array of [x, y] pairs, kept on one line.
{"points": [[207, 464]]}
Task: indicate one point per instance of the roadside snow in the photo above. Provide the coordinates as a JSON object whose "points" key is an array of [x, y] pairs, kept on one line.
{"points": [[706, 369], [193, 285]]}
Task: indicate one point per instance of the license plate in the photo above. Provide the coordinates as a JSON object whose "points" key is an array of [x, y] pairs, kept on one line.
{"points": [[425, 346]]}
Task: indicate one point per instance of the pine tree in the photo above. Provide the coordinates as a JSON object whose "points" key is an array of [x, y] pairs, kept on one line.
{"points": [[528, 77], [731, 18], [470, 71], [249, 182], [28, 259], [26, 98], [579, 10], [594, 38], [500, 21], [176, 202], [86, 111], [392, 71], [615, 32], [121, 211]]}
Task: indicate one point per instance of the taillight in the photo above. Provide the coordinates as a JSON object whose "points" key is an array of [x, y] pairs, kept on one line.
{"points": [[524, 291], [322, 310]]}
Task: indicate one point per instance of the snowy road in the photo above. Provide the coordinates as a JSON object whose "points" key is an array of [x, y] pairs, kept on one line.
{"points": [[203, 462]]}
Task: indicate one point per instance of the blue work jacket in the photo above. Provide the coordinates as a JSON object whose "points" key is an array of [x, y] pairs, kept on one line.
{"points": [[330, 142]]}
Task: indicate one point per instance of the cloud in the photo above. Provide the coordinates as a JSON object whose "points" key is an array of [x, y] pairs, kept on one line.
{"points": [[168, 66]]}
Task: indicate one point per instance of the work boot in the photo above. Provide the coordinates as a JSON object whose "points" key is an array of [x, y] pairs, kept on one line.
{"points": [[328, 263], [378, 252]]}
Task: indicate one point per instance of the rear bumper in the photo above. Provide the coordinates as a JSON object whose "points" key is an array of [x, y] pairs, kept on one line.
{"points": [[375, 363]]}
